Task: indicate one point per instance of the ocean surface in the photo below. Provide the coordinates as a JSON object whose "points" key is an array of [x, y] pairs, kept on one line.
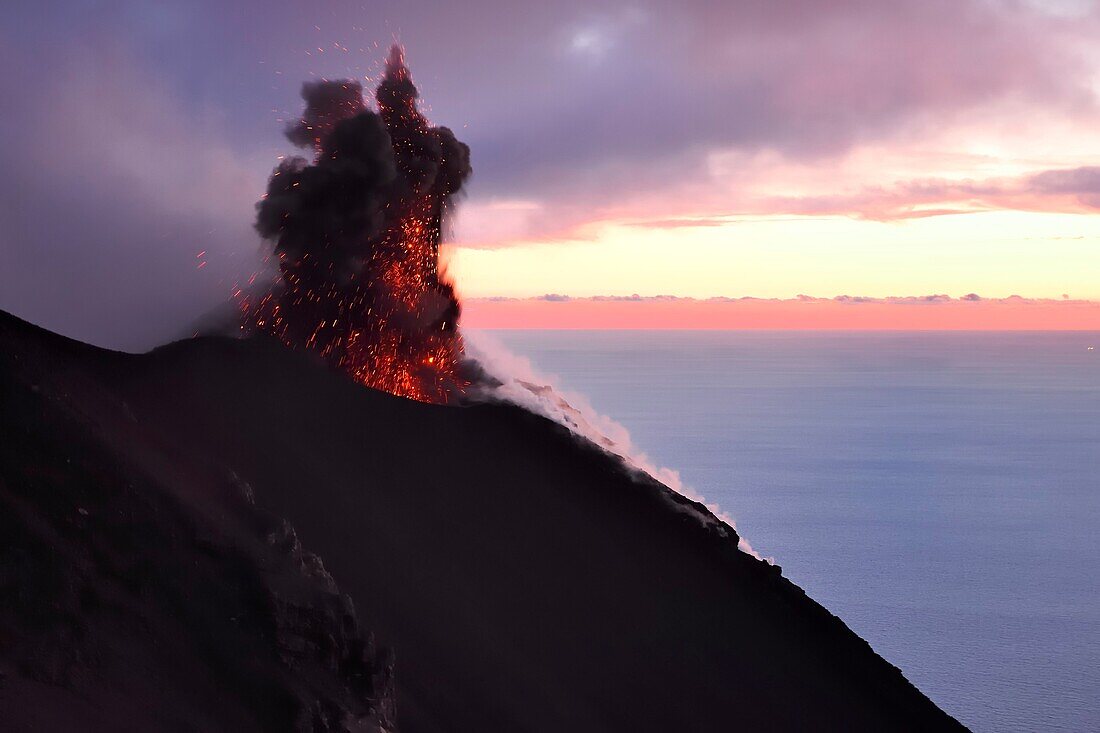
{"points": [[940, 492]]}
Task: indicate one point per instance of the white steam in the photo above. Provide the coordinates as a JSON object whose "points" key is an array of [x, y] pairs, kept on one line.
{"points": [[526, 387]]}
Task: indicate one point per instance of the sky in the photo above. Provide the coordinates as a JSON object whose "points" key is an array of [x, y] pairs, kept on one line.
{"points": [[873, 149]]}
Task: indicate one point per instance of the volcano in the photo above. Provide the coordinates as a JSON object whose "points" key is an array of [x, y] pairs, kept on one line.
{"points": [[228, 535]]}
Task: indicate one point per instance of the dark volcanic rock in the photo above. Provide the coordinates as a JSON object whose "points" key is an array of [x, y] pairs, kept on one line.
{"points": [[142, 592], [525, 580]]}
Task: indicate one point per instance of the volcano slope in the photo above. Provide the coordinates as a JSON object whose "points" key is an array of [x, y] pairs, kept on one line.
{"points": [[524, 579]]}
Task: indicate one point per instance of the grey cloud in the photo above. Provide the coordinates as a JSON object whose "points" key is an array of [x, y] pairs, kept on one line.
{"points": [[110, 195], [1083, 182]]}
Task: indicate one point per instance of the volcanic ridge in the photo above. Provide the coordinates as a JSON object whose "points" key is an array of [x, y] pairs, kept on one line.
{"points": [[228, 535]]}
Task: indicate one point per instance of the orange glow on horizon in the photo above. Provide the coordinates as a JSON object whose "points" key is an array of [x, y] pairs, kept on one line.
{"points": [[756, 314]]}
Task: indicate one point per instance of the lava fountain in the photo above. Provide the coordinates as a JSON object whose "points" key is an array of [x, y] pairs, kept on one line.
{"points": [[356, 233]]}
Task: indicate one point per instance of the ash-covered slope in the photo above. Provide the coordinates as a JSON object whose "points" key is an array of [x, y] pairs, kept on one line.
{"points": [[524, 580], [141, 589]]}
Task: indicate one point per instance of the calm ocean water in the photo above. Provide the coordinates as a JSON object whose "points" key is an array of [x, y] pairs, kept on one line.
{"points": [[940, 492]]}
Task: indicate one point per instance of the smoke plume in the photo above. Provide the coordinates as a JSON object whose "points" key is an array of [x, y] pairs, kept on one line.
{"points": [[356, 234]]}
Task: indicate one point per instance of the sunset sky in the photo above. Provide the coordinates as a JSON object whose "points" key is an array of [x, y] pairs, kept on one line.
{"points": [[694, 149]]}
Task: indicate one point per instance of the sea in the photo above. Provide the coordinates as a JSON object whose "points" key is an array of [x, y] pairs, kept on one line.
{"points": [[938, 491]]}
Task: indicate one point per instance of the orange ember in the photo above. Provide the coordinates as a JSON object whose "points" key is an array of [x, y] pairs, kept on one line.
{"points": [[356, 237]]}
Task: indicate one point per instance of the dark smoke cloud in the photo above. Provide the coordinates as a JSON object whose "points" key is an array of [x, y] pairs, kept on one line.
{"points": [[333, 208], [327, 102], [356, 232]]}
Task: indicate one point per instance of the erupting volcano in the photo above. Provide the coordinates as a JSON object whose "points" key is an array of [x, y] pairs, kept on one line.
{"points": [[356, 235]]}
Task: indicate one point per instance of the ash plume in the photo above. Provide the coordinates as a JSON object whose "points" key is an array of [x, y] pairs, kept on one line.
{"points": [[327, 102], [356, 235]]}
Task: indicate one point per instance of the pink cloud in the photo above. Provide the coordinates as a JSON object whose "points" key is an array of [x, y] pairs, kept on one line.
{"points": [[809, 81], [1064, 190]]}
